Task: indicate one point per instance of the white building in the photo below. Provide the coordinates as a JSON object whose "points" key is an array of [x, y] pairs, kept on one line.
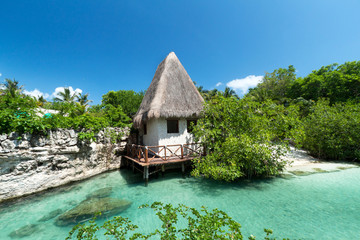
{"points": [[169, 106]]}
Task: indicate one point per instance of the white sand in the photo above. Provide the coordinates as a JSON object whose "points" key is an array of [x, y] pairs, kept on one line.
{"points": [[301, 162]]}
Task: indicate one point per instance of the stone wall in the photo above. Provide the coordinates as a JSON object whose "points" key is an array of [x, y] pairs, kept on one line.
{"points": [[33, 163]]}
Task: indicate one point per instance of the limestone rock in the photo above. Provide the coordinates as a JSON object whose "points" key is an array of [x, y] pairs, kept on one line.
{"points": [[88, 208], [7, 145], [31, 163], [25, 231], [3, 137], [100, 193], [51, 215], [38, 141]]}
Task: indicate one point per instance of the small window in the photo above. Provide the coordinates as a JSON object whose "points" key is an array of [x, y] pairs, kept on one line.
{"points": [[172, 126], [190, 125], [145, 129]]}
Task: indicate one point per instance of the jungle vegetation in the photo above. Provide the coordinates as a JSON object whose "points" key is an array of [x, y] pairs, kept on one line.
{"points": [[246, 137]]}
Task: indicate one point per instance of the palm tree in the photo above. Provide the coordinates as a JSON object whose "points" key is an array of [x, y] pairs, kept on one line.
{"points": [[230, 93], [83, 99], [41, 101], [11, 88], [65, 96]]}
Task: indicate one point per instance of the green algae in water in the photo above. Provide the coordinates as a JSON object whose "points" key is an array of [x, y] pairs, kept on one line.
{"points": [[317, 206], [319, 170]]}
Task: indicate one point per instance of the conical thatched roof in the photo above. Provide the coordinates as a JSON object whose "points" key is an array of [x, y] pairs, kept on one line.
{"points": [[172, 94]]}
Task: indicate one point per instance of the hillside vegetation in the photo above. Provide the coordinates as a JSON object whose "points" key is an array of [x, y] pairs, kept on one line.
{"points": [[246, 137], [22, 113]]}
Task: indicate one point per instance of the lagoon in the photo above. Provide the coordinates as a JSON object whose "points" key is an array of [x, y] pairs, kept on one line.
{"points": [[316, 206]]}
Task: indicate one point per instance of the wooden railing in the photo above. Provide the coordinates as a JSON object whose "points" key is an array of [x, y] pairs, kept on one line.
{"points": [[164, 152]]}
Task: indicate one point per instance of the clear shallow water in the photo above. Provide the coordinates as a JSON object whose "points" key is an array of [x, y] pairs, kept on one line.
{"points": [[317, 206]]}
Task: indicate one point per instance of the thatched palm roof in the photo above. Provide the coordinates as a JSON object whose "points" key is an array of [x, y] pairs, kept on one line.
{"points": [[172, 94]]}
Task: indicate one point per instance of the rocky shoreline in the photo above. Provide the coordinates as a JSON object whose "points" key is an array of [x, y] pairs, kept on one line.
{"points": [[33, 163]]}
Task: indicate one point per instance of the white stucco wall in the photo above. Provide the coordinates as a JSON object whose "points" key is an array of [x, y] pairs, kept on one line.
{"points": [[151, 138], [157, 133], [173, 138]]}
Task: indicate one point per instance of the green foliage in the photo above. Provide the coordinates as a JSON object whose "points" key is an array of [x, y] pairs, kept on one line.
{"points": [[20, 113], [65, 96], [11, 88], [333, 132], [128, 100], [338, 83], [238, 135], [203, 224], [116, 116], [274, 86]]}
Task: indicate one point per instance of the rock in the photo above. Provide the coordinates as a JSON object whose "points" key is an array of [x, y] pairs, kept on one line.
{"points": [[7, 145], [39, 149], [38, 141], [26, 136], [31, 163], [51, 215], [13, 136], [3, 137], [25, 231], [23, 145], [100, 193], [88, 208]]}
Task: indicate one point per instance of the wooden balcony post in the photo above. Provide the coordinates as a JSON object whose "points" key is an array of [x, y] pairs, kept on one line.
{"points": [[182, 151], [146, 154], [165, 152]]}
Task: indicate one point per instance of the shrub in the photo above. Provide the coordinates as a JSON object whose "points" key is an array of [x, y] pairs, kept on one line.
{"points": [[203, 224], [333, 132], [238, 135]]}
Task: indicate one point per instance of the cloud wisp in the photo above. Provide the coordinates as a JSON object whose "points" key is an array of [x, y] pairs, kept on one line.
{"points": [[36, 93], [243, 84], [219, 84], [61, 89]]}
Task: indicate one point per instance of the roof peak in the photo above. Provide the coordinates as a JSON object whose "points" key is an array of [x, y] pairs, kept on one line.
{"points": [[171, 93]]}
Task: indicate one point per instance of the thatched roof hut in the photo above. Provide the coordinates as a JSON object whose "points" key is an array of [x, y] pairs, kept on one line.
{"points": [[172, 94]]}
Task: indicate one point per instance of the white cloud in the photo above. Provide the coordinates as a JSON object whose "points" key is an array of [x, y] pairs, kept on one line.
{"points": [[36, 93], [0, 74], [61, 89], [243, 84], [219, 84]]}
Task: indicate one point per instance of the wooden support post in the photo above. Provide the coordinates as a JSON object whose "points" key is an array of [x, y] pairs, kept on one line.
{"points": [[182, 151], [163, 170], [146, 154], [133, 166], [165, 151], [183, 169], [146, 175]]}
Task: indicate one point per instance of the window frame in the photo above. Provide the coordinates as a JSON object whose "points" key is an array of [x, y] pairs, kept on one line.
{"points": [[176, 126]]}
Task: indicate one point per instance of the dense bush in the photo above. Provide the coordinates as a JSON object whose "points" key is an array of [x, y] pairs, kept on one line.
{"points": [[338, 83], [238, 135], [128, 100], [203, 224], [333, 132]]}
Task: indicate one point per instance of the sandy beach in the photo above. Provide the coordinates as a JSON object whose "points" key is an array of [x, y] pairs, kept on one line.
{"points": [[302, 163]]}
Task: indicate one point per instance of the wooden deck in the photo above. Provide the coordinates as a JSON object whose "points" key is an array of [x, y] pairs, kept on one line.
{"points": [[158, 157], [159, 161]]}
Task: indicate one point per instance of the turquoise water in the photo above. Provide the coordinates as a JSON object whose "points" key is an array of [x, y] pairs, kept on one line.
{"points": [[317, 206]]}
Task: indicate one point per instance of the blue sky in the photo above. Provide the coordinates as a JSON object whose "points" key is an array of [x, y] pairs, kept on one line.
{"points": [[98, 46]]}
